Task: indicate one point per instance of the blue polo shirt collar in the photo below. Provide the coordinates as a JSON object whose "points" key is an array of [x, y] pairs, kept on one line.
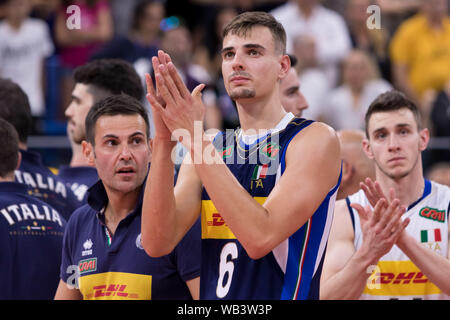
{"points": [[98, 199]]}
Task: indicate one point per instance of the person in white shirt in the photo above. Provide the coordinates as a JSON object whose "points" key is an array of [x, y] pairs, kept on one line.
{"points": [[25, 43], [345, 106], [392, 252], [327, 28]]}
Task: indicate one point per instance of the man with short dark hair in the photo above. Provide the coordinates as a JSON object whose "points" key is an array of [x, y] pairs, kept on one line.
{"points": [[94, 81], [42, 183], [292, 98], [390, 253], [31, 231], [103, 237], [265, 204]]}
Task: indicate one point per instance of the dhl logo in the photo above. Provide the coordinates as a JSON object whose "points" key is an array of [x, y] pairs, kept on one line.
{"points": [[399, 278], [216, 221], [213, 225], [116, 286], [111, 291]]}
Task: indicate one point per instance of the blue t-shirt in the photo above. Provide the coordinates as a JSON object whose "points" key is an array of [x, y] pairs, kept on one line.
{"points": [[291, 270], [31, 235], [119, 268], [79, 180], [45, 185]]}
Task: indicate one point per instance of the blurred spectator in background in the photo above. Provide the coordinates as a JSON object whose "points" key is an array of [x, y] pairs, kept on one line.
{"points": [[315, 85], [373, 41], [222, 113], [94, 81], [24, 45], [78, 44], [142, 42], [31, 232], [41, 182], [420, 52], [122, 15], [292, 99], [356, 167], [440, 172], [346, 105], [440, 126], [394, 12], [326, 27]]}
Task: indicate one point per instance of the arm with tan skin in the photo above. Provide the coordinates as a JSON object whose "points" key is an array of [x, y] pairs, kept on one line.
{"points": [[64, 292], [434, 266], [194, 288], [345, 270], [263, 227], [167, 212]]}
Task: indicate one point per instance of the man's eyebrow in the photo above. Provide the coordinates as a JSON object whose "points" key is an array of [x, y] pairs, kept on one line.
{"points": [[254, 46], [137, 133], [110, 135], [248, 46]]}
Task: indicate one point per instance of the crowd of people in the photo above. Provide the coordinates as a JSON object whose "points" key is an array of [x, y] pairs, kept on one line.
{"points": [[302, 74]]}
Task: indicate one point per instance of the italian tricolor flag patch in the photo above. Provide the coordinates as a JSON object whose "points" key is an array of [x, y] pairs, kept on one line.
{"points": [[260, 172], [430, 235]]}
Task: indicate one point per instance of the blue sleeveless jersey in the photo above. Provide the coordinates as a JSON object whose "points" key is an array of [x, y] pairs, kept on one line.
{"points": [[290, 271]]}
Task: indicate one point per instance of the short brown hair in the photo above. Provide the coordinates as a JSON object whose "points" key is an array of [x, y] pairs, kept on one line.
{"points": [[244, 22], [392, 100], [9, 148], [121, 104]]}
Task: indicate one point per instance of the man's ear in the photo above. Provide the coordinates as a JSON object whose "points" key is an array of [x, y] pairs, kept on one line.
{"points": [[88, 152], [367, 149], [285, 66], [19, 160], [347, 171], [150, 145], [424, 139]]}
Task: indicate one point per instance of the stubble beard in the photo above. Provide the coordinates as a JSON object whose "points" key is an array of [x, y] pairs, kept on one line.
{"points": [[242, 93], [400, 175]]}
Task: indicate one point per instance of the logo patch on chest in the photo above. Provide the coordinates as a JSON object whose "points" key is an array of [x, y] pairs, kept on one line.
{"points": [[432, 214]]}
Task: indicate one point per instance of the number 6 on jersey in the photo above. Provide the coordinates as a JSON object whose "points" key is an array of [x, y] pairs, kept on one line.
{"points": [[226, 266]]}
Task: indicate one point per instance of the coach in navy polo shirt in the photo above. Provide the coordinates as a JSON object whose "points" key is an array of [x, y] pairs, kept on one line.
{"points": [[41, 182], [31, 232], [103, 257]]}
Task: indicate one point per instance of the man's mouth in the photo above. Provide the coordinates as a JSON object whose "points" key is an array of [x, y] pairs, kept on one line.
{"points": [[125, 170]]}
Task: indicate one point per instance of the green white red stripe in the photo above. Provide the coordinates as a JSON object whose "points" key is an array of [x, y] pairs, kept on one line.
{"points": [[430, 235], [302, 259], [260, 172]]}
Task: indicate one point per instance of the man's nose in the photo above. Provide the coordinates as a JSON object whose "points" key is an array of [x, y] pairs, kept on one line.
{"points": [[125, 153], [238, 63], [393, 143]]}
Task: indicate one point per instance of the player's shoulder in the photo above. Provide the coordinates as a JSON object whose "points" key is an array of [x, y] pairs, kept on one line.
{"points": [[319, 138]]}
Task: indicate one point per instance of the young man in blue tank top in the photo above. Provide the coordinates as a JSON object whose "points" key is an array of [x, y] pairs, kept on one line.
{"points": [[264, 199]]}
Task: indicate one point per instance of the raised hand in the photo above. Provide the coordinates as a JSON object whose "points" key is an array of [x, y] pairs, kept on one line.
{"points": [[161, 130], [381, 227], [373, 192], [178, 108]]}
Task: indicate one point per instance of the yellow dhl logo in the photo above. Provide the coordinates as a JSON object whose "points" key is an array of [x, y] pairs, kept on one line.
{"points": [[213, 225], [116, 286], [399, 278]]}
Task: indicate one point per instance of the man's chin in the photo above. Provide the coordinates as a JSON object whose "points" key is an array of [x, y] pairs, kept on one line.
{"points": [[242, 93]]}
